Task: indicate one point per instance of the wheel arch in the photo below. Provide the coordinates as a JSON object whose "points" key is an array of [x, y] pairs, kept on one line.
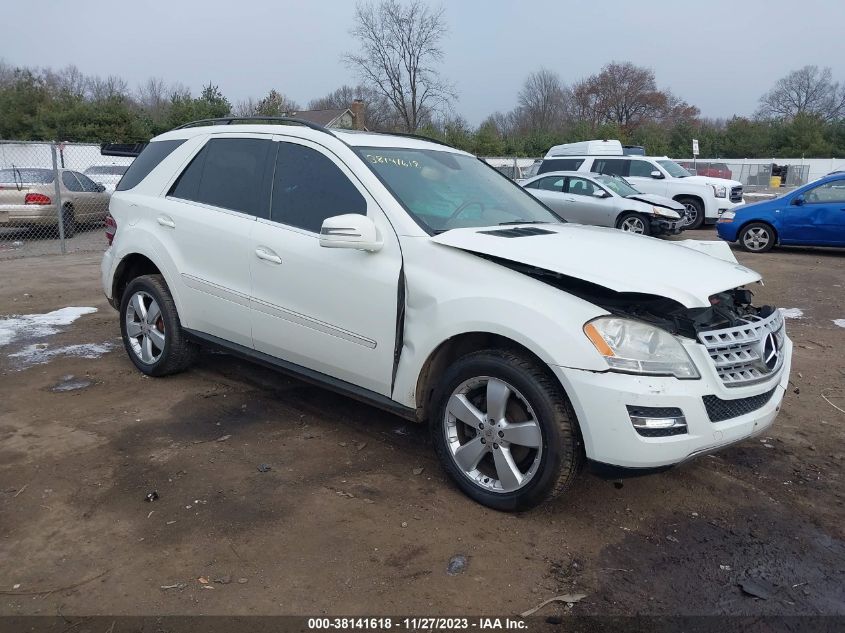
{"points": [[136, 264], [460, 345]]}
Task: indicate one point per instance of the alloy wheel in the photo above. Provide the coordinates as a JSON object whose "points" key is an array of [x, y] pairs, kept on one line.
{"points": [[690, 214], [493, 434], [756, 238], [633, 224], [145, 327]]}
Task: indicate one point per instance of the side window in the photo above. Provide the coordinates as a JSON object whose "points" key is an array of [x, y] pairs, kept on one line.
{"points": [[641, 168], [147, 160], [552, 183], [581, 187], [231, 173], [309, 187], [612, 166], [560, 164], [88, 185], [70, 182], [830, 192]]}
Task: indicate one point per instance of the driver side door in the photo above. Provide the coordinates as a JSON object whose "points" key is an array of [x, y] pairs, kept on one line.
{"points": [[330, 310], [820, 220], [585, 207]]}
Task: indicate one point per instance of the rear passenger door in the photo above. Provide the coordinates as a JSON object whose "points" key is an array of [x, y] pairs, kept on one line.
{"points": [[550, 191], [330, 310], [205, 224]]}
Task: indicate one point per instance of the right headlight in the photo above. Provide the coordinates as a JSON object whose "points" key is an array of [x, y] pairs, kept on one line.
{"points": [[639, 348]]}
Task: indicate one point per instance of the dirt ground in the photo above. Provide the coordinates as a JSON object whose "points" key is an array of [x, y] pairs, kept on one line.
{"points": [[355, 516]]}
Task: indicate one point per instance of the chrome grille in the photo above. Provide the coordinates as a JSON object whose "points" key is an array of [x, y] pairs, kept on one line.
{"points": [[737, 352], [736, 194]]}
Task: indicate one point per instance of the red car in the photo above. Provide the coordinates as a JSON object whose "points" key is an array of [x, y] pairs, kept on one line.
{"points": [[713, 170]]}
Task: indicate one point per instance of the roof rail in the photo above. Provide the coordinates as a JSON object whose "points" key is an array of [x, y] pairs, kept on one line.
{"points": [[280, 120], [419, 137]]}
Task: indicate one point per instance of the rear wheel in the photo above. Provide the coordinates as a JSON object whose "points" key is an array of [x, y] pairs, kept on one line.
{"points": [[633, 223], [152, 332], [757, 237], [505, 431], [694, 215]]}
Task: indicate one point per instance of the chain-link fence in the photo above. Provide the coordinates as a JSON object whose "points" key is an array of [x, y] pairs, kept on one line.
{"points": [[54, 197], [751, 174]]}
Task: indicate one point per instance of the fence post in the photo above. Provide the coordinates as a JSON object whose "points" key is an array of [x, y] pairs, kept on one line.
{"points": [[60, 225]]}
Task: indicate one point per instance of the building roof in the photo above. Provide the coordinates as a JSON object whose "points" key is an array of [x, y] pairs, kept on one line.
{"points": [[321, 117]]}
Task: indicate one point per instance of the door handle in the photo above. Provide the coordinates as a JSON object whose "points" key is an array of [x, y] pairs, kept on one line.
{"points": [[166, 221], [267, 255]]}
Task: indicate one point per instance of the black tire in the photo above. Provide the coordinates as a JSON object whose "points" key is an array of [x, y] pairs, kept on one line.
{"points": [[178, 353], [695, 211], [630, 217], [68, 222], [757, 237], [561, 453]]}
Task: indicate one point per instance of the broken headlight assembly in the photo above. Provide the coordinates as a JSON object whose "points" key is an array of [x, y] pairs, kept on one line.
{"points": [[639, 348]]}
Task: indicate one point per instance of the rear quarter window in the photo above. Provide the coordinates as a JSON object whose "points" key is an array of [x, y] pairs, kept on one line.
{"points": [[147, 160]]}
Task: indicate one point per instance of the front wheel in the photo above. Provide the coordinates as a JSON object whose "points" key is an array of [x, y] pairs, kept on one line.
{"points": [[505, 431], [693, 212], [152, 332], [757, 237], [633, 223]]}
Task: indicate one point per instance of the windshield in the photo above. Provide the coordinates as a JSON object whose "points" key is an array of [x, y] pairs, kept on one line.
{"points": [[674, 169], [26, 176], [107, 170], [617, 185], [443, 190]]}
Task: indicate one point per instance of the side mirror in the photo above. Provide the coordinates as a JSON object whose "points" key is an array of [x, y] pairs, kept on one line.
{"points": [[101, 187], [657, 174], [798, 201], [350, 231], [600, 193]]}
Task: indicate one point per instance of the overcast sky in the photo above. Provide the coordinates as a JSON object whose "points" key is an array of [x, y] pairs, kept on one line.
{"points": [[720, 55]]}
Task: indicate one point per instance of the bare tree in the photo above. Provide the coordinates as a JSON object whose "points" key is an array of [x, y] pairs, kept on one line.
{"points": [[154, 97], [807, 90], [399, 48], [111, 86], [68, 80], [275, 104], [247, 107], [543, 102]]}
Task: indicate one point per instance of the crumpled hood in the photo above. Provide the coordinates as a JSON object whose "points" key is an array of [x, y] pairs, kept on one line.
{"points": [[621, 261], [659, 201]]}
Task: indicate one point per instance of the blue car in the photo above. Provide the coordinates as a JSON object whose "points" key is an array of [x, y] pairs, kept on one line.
{"points": [[813, 215]]}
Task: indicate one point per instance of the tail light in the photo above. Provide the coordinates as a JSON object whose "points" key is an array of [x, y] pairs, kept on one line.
{"points": [[111, 228], [37, 198]]}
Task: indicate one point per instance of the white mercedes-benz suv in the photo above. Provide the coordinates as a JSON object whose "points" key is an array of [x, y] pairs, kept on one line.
{"points": [[415, 277]]}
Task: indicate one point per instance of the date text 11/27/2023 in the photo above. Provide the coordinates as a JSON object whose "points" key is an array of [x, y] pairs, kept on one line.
{"points": [[417, 623]]}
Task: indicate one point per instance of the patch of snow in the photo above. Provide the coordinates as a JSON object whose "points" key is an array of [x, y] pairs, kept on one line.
{"points": [[839, 322], [40, 354], [33, 326], [792, 313]]}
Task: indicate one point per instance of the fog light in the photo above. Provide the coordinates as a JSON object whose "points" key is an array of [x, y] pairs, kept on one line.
{"points": [[657, 421]]}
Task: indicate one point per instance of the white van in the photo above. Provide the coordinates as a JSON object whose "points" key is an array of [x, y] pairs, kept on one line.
{"points": [[705, 198]]}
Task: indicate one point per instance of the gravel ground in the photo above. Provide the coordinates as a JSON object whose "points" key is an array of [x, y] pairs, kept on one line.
{"points": [[354, 515]]}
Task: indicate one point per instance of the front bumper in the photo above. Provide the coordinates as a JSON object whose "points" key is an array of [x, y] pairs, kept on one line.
{"points": [[601, 401], [660, 226]]}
